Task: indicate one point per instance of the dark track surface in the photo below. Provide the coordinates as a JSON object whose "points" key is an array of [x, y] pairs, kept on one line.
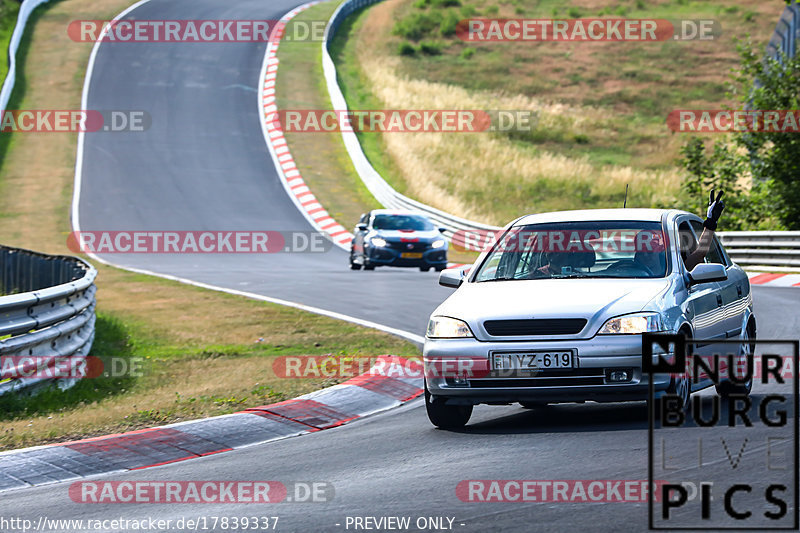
{"points": [[204, 165]]}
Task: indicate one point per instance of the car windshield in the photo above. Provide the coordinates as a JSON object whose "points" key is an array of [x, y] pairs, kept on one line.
{"points": [[596, 249], [402, 222]]}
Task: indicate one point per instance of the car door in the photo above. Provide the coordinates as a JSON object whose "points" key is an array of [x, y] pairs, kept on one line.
{"points": [[704, 300], [735, 290], [359, 234]]}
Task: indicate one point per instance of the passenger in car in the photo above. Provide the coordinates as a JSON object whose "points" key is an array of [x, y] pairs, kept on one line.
{"points": [[715, 207]]}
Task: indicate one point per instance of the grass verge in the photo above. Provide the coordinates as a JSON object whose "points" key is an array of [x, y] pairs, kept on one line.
{"points": [[321, 157], [8, 19], [212, 357]]}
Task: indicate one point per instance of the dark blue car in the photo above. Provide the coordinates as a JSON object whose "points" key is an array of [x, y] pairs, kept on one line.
{"points": [[386, 237]]}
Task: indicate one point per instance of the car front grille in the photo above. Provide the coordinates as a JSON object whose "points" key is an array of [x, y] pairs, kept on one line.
{"points": [[567, 378], [408, 246], [534, 326]]}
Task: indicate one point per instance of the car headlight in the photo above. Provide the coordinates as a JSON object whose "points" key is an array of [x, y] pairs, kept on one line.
{"points": [[444, 327], [377, 241], [438, 244], [632, 324]]}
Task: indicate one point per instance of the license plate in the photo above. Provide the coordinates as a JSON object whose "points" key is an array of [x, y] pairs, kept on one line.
{"points": [[533, 361], [411, 255]]}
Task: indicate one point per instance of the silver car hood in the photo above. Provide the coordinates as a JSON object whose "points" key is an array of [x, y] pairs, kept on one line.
{"points": [[596, 300]]}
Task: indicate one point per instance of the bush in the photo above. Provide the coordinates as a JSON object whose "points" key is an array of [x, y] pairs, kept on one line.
{"points": [[430, 48], [446, 3], [574, 13], [406, 49], [467, 53], [418, 25], [422, 4], [449, 24]]}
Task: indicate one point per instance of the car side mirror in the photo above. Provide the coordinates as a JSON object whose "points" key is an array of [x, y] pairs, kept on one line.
{"points": [[442, 230], [452, 277], [361, 227], [708, 272]]}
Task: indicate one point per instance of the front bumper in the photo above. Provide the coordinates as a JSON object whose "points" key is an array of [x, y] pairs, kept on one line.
{"points": [[589, 381], [387, 256]]}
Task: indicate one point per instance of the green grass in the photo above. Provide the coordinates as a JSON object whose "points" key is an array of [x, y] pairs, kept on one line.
{"points": [[8, 19]]}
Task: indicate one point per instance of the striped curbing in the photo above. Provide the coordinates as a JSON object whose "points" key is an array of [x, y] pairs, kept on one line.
{"points": [[287, 169], [774, 280], [390, 382]]}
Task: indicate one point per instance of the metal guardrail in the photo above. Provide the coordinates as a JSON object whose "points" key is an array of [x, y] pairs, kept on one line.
{"points": [[786, 34], [46, 311], [777, 249], [25, 10]]}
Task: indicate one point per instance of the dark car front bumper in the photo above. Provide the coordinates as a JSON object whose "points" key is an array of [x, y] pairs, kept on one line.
{"points": [[392, 255]]}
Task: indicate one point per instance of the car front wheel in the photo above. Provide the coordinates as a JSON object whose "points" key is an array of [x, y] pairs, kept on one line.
{"points": [[353, 264], [746, 350], [446, 416]]}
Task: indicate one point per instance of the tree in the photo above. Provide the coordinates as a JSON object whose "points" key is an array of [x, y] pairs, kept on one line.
{"points": [[771, 160]]}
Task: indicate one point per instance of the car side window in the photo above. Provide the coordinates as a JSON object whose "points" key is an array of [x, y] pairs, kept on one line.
{"points": [[714, 255], [687, 242]]}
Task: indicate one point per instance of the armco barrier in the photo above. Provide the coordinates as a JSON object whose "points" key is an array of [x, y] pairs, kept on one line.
{"points": [[46, 311], [786, 33], [25, 10], [780, 250]]}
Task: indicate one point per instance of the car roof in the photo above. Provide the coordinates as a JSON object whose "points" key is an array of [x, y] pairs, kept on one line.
{"points": [[585, 215], [397, 212]]}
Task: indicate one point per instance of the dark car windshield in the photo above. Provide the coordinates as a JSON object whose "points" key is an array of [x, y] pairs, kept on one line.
{"points": [[597, 249], [402, 222]]}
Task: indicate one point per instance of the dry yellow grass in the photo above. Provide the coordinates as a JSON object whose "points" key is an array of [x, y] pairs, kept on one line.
{"points": [[473, 175]]}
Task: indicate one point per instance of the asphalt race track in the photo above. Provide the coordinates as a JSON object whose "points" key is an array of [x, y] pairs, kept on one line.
{"points": [[203, 165]]}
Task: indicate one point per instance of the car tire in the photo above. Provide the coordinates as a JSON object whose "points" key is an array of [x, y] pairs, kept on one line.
{"points": [[353, 264], [727, 388], [446, 416], [679, 386], [424, 269], [439, 268], [368, 265]]}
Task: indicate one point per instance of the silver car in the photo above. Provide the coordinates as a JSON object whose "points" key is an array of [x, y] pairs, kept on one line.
{"points": [[554, 312]]}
